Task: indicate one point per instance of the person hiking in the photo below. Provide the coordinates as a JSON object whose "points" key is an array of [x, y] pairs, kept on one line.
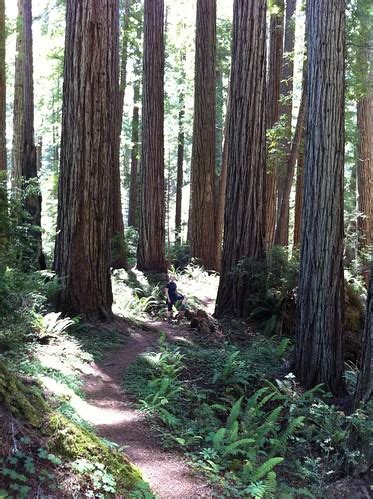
{"points": [[172, 296]]}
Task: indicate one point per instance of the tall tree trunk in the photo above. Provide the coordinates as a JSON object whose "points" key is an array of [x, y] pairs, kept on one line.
{"points": [[24, 151], [222, 192], [286, 92], [282, 229], [319, 338], [365, 167], [299, 194], [364, 387], [219, 127], [150, 252], [3, 166], [244, 212], [273, 111], [3, 162], [202, 242], [133, 194], [118, 248], [88, 157], [39, 154], [180, 163], [123, 56]]}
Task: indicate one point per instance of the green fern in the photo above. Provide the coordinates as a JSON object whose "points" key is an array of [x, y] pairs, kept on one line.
{"points": [[265, 468], [233, 416], [238, 446], [256, 490], [271, 483], [218, 438], [293, 425], [282, 347]]}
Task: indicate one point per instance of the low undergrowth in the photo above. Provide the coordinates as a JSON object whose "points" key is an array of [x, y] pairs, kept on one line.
{"points": [[46, 449], [241, 418]]}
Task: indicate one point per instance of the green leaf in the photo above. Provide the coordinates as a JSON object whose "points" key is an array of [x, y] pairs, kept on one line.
{"points": [[218, 438]]}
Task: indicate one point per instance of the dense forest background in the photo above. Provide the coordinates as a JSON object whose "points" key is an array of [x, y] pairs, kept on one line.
{"points": [[225, 144]]}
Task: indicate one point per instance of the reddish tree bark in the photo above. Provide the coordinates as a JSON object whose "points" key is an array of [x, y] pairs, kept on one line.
{"points": [[88, 157], [365, 169], [282, 228], [244, 203], [286, 91], [24, 151], [133, 194], [202, 237], [180, 164], [151, 247], [319, 337], [3, 161], [222, 192], [364, 387], [299, 193], [273, 111]]}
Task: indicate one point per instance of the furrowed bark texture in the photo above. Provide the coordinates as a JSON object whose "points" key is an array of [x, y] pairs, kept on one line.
{"points": [[221, 193], [150, 252], [118, 247], [286, 92], [24, 151], [282, 228], [3, 159], [133, 194], [319, 339], [3, 165], [365, 169], [299, 193], [88, 157], [364, 387], [244, 207], [202, 241], [180, 163], [273, 113]]}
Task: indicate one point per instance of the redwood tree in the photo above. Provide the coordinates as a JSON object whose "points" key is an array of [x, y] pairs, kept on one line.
{"points": [[282, 228], [299, 193], [133, 192], [88, 155], [364, 387], [273, 110], [3, 165], [286, 91], [150, 251], [244, 207], [24, 151], [202, 214], [180, 164], [319, 338], [133, 202], [2, 89], [364, 123]]}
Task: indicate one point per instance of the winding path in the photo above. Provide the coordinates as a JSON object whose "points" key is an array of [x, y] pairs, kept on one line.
{"points": [[111, 413]]}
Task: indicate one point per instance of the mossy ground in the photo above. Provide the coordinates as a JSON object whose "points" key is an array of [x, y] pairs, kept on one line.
{"points": [[25, 408]]}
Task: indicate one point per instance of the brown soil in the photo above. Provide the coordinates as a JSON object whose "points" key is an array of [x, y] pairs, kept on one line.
{"points": [[109, 409]]}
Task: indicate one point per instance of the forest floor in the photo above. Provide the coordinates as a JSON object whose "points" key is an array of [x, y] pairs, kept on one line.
{"points": [[110, 409]]}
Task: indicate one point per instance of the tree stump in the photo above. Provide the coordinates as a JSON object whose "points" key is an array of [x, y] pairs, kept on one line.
{"points": [[208, 328]]}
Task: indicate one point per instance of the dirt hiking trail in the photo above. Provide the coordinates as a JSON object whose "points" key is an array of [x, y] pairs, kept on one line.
{"points": [[109, 410]]}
